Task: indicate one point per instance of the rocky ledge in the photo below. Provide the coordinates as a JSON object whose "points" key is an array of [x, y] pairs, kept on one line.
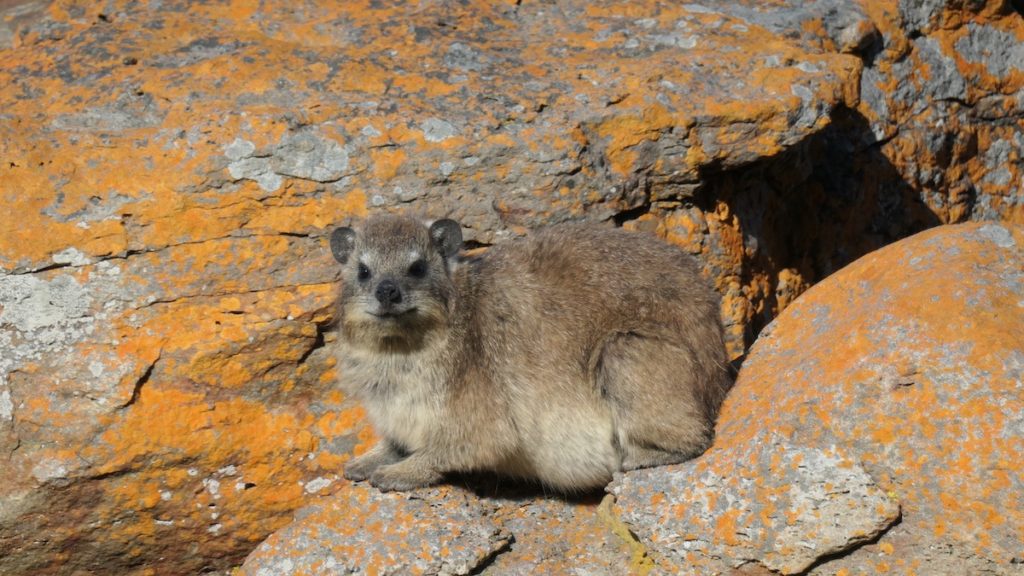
{"points": [[170, 171], [877, 427]]}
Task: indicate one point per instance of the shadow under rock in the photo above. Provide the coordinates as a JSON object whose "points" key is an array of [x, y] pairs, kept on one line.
{"points": [[815, 208]]}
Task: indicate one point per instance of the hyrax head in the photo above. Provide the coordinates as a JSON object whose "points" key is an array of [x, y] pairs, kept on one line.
{"points": [[395, 280]]}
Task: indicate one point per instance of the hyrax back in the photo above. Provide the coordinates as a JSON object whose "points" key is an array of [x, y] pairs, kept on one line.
{"points": [[564, 357]]}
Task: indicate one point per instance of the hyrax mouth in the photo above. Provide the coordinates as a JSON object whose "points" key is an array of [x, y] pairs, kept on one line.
{"points": [[393, 314]]}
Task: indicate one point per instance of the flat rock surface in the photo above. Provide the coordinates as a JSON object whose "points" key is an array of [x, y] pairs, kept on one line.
{"points": [[451, 530], [769, 502], [361, 530], [898, 379]]}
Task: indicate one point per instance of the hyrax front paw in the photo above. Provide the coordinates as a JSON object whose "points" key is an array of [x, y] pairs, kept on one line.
{"points": [[359, 469], [362, 467], [405, 475]]}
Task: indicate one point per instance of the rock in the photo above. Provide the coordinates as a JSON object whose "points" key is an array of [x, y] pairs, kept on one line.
{"points": [[555, 536], [170, 174], [770, 502], [170, 171], [362, 531], [944, 95], [450, 530], [898, 379]]}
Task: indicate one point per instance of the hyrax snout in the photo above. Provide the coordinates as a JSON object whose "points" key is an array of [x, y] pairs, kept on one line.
{"points": [[563, 357]]}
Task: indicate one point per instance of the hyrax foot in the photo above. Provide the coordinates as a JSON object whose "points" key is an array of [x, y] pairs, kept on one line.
{"points": [[637, 457], [362, 467], [405, 475]]}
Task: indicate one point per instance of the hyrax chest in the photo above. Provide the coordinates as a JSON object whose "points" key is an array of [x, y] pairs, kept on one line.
{"points": [[403, 394]]}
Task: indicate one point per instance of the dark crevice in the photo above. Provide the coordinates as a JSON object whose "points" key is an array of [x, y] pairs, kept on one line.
{"points": [[228, 293], [42, 269], [959, 101], [487, 561], [150, 250], [318, 343], [852, 549], [137, 389], [474, 245], [631, 214], [17, 444], [113, 473]]}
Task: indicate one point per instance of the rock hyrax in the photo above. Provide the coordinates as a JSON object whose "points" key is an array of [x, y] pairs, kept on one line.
{"points": [[562, 357]]}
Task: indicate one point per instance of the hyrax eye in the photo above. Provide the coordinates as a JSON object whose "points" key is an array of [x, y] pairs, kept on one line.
{"points": [[418, 269], [364, 272]]}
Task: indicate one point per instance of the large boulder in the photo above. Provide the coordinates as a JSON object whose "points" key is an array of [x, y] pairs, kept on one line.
{"points": [[170, 169], [170, 172], [877, 426]]}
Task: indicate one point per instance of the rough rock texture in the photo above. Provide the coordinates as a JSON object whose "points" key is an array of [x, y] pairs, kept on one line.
{"points": [[362, 531], [765, 501], [169, 170], [899, 378], [503, 116], [450, 530], [935, 136]]}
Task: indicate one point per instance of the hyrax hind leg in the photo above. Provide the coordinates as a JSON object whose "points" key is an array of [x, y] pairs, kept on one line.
{"points": [[657, 397]]}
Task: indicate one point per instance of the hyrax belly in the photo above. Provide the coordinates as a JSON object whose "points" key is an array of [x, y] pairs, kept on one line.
{"points": [[570, 446]]}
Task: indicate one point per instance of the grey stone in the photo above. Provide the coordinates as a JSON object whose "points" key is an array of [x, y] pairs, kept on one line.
{"points": [[463, 57], [238, 149], [771, 502], [50, 311], [437, 130], [998, 235], [943, 80], [256, 169], [129, 111], [310, 156], [999, 51], [921, 15], [6, 406], [361, 530]]}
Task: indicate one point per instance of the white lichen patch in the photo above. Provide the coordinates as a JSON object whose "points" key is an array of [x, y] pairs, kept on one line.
{"points": [[6, 406], [437, 130], [317, 484], [53, 311], [238, 149], [71, 256], [49, 469], [306, 154], [212, 486]]}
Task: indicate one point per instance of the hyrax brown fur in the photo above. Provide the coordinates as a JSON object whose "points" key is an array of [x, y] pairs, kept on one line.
{"points": [[563, 357]]}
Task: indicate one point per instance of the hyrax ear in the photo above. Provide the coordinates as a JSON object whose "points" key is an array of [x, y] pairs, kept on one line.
{"points": [[447, 236], [343, 241]]}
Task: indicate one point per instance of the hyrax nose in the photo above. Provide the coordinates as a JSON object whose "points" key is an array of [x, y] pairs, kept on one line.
{"points": [[388, 293]]}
